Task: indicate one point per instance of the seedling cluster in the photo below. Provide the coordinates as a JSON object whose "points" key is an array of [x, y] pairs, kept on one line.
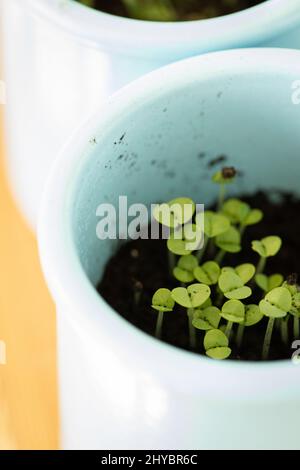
{"points": [[172, 10], [218, 298]]}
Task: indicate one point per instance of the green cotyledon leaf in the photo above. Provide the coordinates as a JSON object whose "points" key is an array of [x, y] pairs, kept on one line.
{"points": [[232, 286], [191, 297], [277, 303], [216, 345], [174, 213], [162, 300], [208, 273], [206, 319]]}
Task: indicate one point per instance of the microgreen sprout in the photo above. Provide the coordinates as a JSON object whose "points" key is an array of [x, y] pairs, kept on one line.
{"points": [[276, 304], [223, 178], [245, 271], [228, 242], [241, 214], [182, 246], [214, 225], [208, 273], [206, 318], [267, 283], [234, 312], [184, 271], [216, 345], [232, 286], [191, 297], [162, 302], [173, 215], [267, 247], [235, 210]]}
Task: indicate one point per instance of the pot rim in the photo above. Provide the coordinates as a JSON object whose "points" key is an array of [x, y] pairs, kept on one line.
{"points": [[97, 28], [68, 282]]}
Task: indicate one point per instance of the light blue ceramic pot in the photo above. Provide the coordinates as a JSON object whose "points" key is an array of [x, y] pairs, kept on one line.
{"points": [[61, 59], [120, 388]]}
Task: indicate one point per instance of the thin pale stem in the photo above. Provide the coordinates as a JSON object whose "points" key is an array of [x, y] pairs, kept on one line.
{"points": [[278, 324], [240, 335], [219, 298], [228, 329], [296, 327], [211, 248], [220, 256], [284, 330], [268, 338], [242, 230], [192, 330], [159, 322], [261, 265], [202, 251]]}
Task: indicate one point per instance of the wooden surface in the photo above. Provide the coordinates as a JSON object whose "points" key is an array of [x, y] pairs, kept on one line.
{"points": [[28, 399]]}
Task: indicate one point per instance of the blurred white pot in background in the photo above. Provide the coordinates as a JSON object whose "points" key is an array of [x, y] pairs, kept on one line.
{"points": [[61, 59]]}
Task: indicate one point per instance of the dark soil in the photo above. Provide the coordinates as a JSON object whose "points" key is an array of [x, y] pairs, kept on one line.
{"points": [[143, 263], [187, 10]]}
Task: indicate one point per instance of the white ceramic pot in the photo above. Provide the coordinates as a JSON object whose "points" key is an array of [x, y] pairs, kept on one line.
{"points": [[61, 59], [120, 388]]}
